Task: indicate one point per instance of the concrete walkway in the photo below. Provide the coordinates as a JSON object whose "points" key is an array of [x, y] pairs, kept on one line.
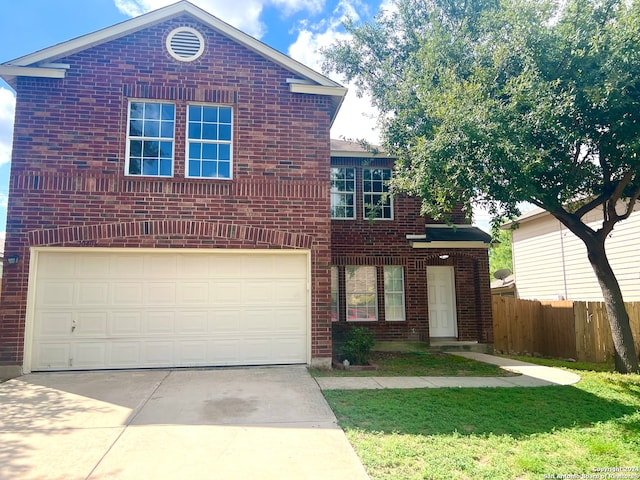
{"points": [[530, 376]]}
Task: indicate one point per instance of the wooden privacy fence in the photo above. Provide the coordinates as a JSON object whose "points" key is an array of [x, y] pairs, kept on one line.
{"points": [[563, 329]]}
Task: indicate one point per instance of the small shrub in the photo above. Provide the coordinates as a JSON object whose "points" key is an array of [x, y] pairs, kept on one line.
{"points": [[357, 346]]}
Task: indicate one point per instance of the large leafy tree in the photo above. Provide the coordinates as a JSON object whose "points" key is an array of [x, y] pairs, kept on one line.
{"points": [[508, 101]]}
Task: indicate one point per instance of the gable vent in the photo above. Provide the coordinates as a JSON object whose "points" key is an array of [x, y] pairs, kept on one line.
{"points": [[185, 44]]}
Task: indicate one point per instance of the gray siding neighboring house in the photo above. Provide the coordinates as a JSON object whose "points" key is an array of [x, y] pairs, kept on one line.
{"points": [[550, 262]]}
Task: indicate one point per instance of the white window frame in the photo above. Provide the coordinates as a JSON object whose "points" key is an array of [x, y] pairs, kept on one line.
{"points": [[144, 138], [344, 193], [203, 142], [365, 289], [385, 190], [389, 291]]}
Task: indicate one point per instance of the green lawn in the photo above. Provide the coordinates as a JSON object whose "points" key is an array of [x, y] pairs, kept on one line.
{"points": [[501, 433], [420, 364]]}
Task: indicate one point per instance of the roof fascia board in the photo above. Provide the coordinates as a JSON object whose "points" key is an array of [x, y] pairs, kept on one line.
{"points": [[352, 154], [448, 245], [157, 16], [317, 89], [42, 72]]}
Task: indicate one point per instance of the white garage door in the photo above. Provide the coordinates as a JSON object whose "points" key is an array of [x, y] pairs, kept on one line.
{"points": [[112, 309]]}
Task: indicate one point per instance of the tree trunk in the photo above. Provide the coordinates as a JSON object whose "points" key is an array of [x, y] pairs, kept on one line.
{"points": [[626, 359]]}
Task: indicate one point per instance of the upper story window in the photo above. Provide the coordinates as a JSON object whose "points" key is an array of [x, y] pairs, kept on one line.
{"points": [[150, 139], [377, 202], [343, 191], [209, 137]]}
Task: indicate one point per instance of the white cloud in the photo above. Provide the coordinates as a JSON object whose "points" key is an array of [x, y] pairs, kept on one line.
{"points": [[357, 118], [7, 111], [242, 14]]}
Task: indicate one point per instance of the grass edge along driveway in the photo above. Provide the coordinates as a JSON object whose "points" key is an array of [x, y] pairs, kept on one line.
{"points": [[497, 433]]}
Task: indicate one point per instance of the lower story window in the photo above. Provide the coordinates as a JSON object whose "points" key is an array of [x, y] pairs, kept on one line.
{"points": [[361, 292], [334, 294], [393, 293]]}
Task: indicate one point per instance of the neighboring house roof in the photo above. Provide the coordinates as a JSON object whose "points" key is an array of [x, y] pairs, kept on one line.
{"points": [[42, 63], [525, 217], [454, 236]]}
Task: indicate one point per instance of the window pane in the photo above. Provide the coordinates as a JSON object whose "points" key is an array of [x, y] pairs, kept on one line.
{"points": [[134, 166], [168, 112], [394, 293], [207, 144], [150, 149], [224, 170], [195, 131], [225, 115], [165, 168], [137, 110], [334, 294], [342, 192], [361, 292], [210, 131], [149, 167], [208, 169], [224, 151], [135, 148], [194, 168], [135, 128], [225, 132], [210, 151], [166, 150], [195, 150], [152, 111], [167, 129], [210, 114]]}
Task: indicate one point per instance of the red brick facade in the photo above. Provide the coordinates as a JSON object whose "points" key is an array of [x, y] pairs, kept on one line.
{"points": [[383, 242], [68, 185]]}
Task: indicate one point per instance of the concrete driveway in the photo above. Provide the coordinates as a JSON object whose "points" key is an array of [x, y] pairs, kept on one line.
{"points": [[238, 423]]}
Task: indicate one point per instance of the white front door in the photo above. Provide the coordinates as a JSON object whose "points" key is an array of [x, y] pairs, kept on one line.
{"points": [[442, 302]]}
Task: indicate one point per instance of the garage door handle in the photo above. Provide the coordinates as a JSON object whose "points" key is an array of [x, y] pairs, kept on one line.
{"points": [[73, 326]]}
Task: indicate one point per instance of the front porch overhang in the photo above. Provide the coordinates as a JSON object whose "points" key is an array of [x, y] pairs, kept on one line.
{"points": [[450, 236]]}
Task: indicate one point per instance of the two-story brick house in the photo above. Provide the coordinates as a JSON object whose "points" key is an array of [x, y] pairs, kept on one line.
{"points": [[174, 202]]}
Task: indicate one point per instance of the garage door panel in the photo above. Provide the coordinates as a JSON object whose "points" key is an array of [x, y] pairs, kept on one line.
{"points": [[59, 293], [157, 353], [194, 322], [126, 266], [224, 320], [293, 292], [53, 323], [126, 323], [92, 324], [159, 322], [161, 266], [128, 293], [125, 354], [93, 293], [90, 355], [225, 292], [160, 293], [113, 309], [192, 353], [52, 356], [91, 266], [290, 320], [257, 292], [193, 293]]}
